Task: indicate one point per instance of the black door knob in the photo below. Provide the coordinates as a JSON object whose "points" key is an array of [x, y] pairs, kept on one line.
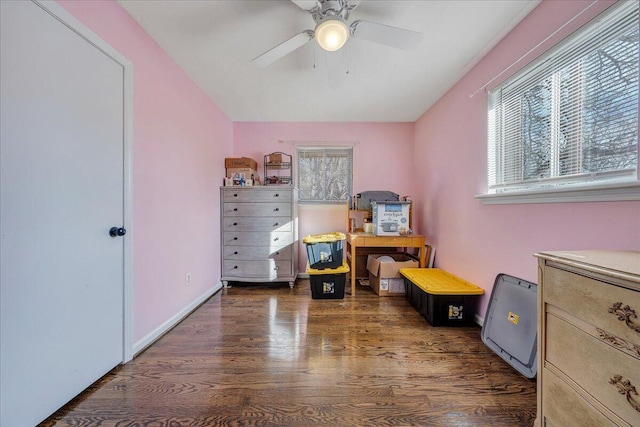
{"points": [[115, 231]]}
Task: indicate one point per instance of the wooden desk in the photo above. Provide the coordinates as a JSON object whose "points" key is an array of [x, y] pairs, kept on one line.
{"points": [[368, 240]]}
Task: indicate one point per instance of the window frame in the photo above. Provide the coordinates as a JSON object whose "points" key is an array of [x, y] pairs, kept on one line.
{"points": [[348, 150], [544, 191]]}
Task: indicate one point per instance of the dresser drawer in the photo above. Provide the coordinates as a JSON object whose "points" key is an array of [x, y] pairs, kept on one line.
{"points": [[274, 240], [268, 270], [257, 224], [256, 209], [593, 365], [248, 253], [563, 407], [609, 307], [257, 195]]}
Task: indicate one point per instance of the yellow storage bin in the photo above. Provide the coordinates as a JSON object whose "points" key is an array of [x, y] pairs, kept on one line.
{"points": [[325, 251], [328, 283], [441, 297], [439, 282]]}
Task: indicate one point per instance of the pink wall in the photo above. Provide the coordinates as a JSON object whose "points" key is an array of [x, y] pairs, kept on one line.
{"points": [[180, 138], [477, 241], [381, 160]]}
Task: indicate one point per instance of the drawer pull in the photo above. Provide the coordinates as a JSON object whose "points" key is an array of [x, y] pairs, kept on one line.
{"points": [[235, 266], [235, 209], [235, 223], [235, 195], [276, 195], [276, 224], [276, 209], [276, 239], [235, 238], [625, 387], [276, 267], [619, 342], [624, 315]]}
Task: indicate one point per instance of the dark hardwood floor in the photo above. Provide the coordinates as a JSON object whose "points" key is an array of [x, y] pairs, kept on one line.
{"points": [[271, 356]]}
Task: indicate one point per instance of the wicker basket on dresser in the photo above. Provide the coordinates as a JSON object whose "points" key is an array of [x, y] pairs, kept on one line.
{"points": [[589, 338], [259, 234]]}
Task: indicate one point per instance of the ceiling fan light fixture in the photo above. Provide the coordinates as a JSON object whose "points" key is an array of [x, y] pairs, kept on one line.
{"points": [[332, 33]]}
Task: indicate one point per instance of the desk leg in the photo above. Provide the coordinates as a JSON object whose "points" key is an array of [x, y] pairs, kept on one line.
{"points": [[353, 270], [422, 254]]}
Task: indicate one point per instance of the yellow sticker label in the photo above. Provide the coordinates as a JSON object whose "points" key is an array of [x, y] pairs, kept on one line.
{"points": [[513, 318]]}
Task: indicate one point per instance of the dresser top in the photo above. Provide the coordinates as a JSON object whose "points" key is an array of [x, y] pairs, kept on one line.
{"points": [[257, 187], [624, 264]]}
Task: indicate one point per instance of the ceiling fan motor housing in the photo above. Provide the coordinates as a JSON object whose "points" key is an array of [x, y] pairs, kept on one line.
{"points": [[331, 8]]}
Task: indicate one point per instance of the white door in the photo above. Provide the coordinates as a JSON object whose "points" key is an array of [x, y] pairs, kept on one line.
{"points": [[61, 190]]}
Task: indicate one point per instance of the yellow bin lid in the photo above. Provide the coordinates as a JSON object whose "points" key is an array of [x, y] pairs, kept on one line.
{"points": [[324, 238], [344, 268], [439, 282]]}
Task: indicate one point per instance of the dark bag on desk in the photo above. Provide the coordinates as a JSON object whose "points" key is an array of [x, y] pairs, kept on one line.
{"points": [[364, 199]]}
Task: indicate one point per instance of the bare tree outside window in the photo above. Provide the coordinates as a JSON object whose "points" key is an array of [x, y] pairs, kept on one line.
{"points": [[572, 115], [324, 174]]}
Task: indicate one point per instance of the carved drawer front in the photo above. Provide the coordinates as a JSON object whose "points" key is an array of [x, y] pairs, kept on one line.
{"points": [[610, 376], [257, 209], [237, 195], [274, 240], [563, 406], [269, 269], [614, 309], [257, 224], [248, 253]]}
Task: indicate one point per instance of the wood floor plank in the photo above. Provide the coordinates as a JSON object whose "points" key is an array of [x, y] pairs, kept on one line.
{"points": [[271, 356]]}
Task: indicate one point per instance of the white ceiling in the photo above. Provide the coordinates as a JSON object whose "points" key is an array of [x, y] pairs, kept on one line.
{"points": [[215, 40]]}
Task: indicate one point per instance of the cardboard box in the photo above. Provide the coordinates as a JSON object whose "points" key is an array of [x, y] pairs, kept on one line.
{"points": [[275, 158], [240, 162], [246, 173], [390, 218], [384, 277], [362, 255]]}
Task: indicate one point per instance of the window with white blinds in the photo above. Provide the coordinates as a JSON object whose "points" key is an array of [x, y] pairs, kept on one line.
{"points": [[324, 174], [570, 117]]}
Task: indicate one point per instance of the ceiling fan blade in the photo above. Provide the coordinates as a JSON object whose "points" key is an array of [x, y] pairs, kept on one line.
{"points": [[386, 34], [306, 5], [284, 48]]}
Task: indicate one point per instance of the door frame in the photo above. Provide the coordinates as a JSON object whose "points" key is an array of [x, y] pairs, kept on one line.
{"points": [[66, 18]]}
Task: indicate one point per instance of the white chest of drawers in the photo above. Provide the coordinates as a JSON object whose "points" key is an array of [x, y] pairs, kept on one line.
{"points": [[589, 338], [259, 234]]}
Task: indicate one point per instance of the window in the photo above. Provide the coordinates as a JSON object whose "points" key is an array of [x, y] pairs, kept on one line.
{"points": [[324, 174], [571, 117]]}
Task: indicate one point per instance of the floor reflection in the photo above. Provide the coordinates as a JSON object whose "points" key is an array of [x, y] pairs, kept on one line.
{"points": [[287, 331]]}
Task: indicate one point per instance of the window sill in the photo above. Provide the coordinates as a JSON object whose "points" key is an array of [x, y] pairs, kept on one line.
{"points": [[595, 193]]}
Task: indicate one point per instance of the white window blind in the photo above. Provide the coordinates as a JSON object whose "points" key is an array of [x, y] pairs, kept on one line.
{"points": [[571, 116], [324, 174]]}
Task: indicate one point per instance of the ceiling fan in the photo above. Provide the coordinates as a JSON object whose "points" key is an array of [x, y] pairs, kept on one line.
{"points": [[332, 31]]}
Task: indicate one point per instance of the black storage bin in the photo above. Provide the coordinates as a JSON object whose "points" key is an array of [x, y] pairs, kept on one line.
{"points": [[325, 250], [328, 286], [448, 310], [451, 301]]}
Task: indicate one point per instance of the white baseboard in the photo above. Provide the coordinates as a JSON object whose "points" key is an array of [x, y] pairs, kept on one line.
{"points": [[479, 320], [303, 276], [157, 333]]}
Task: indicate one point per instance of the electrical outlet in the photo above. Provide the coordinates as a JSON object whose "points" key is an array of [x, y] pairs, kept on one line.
{"points": [[187, 279]]}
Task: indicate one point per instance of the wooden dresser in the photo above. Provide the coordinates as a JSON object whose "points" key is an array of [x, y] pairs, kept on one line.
{"points": [[259, 228], [589, 338]]}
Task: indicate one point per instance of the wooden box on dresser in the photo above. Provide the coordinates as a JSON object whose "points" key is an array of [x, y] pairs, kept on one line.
{"points": [[589, 338], [259, 227]]}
